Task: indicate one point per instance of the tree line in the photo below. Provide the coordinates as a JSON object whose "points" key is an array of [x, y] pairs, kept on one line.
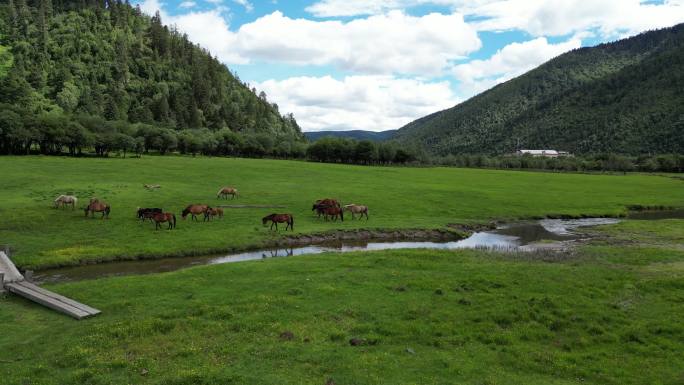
{"points": [[53, 133], [86, 135], [600, 162]]}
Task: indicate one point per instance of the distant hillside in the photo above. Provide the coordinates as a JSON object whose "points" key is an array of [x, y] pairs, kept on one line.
{"points": [[109, 62], [623, 97], [353, 134]]}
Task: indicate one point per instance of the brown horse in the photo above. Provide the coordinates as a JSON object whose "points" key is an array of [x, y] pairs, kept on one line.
{"points": [[213, 212], [96, 206], [148, 213], [333, 212], [160, 218], [194, 211], [322, 204], [225, 191], [357, 209], [279, 218]]}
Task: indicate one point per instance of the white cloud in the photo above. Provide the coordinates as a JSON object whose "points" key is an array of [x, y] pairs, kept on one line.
{"points": [[332, 8], [538, 17], [245, 3], [188, 4], [392, 43], [511, 61], [561, 17], [381, 44], [373, 103]]}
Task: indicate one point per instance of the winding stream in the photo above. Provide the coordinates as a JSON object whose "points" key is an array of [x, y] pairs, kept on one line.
{"points": [[522, 236], [508, 237]]}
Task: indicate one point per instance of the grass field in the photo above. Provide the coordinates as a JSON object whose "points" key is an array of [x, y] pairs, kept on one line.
{"points": [[610, 314], [397, 197]]}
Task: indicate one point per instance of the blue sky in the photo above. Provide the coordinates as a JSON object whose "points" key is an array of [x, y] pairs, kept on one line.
{"points": [[379, 64]]}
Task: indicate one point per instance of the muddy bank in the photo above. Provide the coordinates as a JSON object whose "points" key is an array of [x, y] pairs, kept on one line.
{"points": [[436, 235]]}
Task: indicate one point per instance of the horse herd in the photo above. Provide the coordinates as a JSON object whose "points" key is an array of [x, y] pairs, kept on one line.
{"points": [[330, 209]]}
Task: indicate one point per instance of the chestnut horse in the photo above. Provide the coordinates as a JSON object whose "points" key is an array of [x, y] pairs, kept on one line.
{"points": [[279, 218], [96, 206], [194, 211], [357, 209], [160, 218], [64, 200], [333, 212], [322, 204], [213, 212], [225, 191]]}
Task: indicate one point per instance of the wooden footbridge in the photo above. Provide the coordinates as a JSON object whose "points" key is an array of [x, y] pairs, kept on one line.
{"points": [[11, 280]]}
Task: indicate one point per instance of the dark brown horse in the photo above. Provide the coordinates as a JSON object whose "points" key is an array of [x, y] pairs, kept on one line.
{"points": [[148, 213], [160, 218], [213, 212], [194, 211], [96, 206], [322, 204], [333, 212], [279, 218]]}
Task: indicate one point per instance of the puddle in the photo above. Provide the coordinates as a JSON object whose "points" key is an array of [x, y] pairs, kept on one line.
{"points": [[518, 236]]}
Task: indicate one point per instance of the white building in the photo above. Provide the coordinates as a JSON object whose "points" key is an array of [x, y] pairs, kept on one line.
{"points": [[544, 153]]}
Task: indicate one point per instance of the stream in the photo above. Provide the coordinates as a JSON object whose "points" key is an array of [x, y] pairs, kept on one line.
{"points": [[520, 236]]}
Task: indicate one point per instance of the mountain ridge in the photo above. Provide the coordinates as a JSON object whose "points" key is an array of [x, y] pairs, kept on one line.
{"points": [[609, 98], [353, 134]]}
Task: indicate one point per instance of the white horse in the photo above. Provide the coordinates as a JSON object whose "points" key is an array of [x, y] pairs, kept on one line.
{"points": [[225, 191], [64, 200], [357, 209]]}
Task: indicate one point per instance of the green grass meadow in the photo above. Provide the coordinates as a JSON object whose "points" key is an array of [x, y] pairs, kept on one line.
{"points": [[607, 312], [604, 316], [398, 198]]}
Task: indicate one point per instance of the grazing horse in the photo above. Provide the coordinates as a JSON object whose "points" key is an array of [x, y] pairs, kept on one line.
{"points": [[96, 206], [64, 200], [160, 218], [194, 211], [279, 218], [322, 204], [333, 212], [213, 212], [357, 209], [147, 213], [225, 191]]}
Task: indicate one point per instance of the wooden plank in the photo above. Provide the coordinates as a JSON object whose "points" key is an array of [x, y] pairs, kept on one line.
{"points": [[61, 298], [47, 301]]}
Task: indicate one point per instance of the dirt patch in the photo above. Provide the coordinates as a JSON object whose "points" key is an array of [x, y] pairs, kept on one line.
{"points": [[415, 235]]}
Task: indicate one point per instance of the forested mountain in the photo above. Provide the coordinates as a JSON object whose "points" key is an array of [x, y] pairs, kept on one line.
{"points": [[624, 97], [77, 73], [351, 134]]}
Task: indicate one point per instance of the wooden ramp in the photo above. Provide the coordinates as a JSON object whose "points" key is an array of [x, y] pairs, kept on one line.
{"points": [[14, 282]]}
